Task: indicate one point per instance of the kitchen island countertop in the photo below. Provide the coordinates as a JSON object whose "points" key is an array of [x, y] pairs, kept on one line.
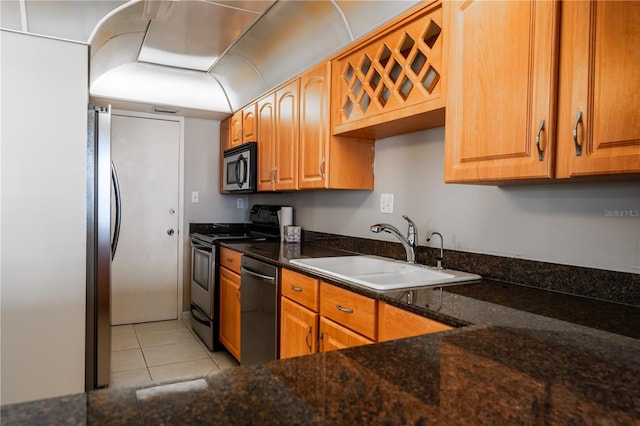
{"points": [[529, 356]]}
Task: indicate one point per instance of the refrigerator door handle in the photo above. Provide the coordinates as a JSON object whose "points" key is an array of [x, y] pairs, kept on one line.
{"points": [[118, 206]]}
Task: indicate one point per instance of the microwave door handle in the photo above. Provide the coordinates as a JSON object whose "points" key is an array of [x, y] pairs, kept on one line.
{"points": [[237, 171], [245, 170]]}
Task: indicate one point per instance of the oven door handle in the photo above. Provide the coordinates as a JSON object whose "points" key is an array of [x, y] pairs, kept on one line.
{"points": [[201, 247], [196, 315], [257, 275]]}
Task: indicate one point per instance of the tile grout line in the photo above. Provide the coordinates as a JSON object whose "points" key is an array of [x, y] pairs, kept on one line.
{"points": [[142, 352]]}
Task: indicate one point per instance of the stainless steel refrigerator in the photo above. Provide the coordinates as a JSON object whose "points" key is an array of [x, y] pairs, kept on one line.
{"points": [[103, 203]]}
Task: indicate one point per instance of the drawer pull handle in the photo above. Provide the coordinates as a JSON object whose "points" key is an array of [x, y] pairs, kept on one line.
{"points": [[322, 165], [230, 260], [306, 339], [345, 310], [294, 288], [575, 134], [540, 151]]}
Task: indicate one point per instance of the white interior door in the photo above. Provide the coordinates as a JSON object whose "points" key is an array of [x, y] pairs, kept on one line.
{"points": [[144, 283]]}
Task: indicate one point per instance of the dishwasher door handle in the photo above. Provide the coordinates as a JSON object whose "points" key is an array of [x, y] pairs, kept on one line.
{"points": [[257, 275]]}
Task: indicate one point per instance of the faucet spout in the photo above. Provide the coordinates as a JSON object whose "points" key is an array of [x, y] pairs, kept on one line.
{"points": [[408, 242], [441, 257]]}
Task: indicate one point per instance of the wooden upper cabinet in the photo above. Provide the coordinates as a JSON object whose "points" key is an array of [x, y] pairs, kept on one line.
{"points": [[500, 122], [314, 128], [236, 130], [225, 134], [266, 123], [599, 96], [327, 161], [244, 126], [225, 143], [286, 142], [393, 81]]}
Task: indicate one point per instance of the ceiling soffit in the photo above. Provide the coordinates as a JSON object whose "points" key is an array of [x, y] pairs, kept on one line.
{"points": [[209, 55]]}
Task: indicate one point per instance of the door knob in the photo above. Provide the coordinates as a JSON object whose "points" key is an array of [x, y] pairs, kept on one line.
{"points": [[170, 231]]}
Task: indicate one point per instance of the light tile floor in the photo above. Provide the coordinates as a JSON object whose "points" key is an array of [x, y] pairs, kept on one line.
{"points": [[158, 351]]}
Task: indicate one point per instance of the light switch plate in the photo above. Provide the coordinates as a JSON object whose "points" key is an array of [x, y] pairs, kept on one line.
{"points": [[239, 203], [195, 197], [386, 203]]}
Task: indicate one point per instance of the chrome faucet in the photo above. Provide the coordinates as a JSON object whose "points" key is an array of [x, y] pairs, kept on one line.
{"points": [[408, 242], [440, 258]]}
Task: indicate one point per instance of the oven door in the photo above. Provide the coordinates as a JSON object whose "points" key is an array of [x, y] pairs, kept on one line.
{"points": [[203, 277]]}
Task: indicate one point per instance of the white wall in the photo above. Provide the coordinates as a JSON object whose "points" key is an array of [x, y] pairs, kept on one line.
{"points": [[202, 147], [568, 223], [44, 217]]}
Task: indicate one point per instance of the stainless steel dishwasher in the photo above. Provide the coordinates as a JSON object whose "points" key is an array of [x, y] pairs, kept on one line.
{"points": [[259, 311]]}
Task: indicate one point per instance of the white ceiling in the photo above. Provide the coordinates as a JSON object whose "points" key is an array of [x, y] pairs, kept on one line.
{"points": [[202, 58]]}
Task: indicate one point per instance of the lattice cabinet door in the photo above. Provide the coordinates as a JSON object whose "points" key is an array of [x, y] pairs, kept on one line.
{"points": [[395, 73]]}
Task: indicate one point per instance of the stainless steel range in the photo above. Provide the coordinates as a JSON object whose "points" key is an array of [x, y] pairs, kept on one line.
{"points": [[263, 226]]}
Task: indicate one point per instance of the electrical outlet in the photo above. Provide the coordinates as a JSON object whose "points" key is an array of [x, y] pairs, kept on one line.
{"points": [[239, 203], [195, 197], [386, 203]]}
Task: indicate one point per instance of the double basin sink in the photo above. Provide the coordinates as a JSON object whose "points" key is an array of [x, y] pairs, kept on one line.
{"points": [[382, 274]]}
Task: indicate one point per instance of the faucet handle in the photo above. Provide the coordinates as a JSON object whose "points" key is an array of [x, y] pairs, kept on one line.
{"points": [[412, 231]]}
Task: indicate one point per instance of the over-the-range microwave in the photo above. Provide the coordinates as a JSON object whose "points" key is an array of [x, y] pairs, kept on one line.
{"points": [[240, 168]]}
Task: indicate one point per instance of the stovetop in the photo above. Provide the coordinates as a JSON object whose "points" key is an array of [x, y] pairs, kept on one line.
{"points": [[263, 225]]}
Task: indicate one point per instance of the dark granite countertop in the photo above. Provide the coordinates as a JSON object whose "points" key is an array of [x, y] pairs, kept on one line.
{"points": [[531, 357], [485, 302]]}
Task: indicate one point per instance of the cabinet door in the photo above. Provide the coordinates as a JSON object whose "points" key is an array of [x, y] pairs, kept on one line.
{"points": [[396, 323], [249, 125], [225, 134], [314, 128], [500, 120], [236, 129], [286, 172], [298, 329], [266, 142], [334, 336], [230, 311], [599, 80]]}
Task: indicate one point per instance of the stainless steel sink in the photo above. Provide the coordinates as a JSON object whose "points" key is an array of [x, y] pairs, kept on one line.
{"points": [[380, 273]]}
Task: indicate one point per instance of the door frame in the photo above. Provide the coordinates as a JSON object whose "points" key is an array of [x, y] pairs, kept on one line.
{"points": [[181, 235]]}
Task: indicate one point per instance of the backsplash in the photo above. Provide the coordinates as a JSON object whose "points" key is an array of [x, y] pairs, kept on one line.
{"points": [[612, 286]]}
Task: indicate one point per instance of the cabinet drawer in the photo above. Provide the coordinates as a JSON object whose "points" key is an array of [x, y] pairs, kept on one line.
{"points": [[349, 309], [300, 288], [396, 323], [230, 259]]}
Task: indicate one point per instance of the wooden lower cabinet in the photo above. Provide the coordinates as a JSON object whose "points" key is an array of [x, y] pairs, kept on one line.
{"points": [[316, 316], [395, 323], [333, 336], [298, 329], [230, 311]]}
